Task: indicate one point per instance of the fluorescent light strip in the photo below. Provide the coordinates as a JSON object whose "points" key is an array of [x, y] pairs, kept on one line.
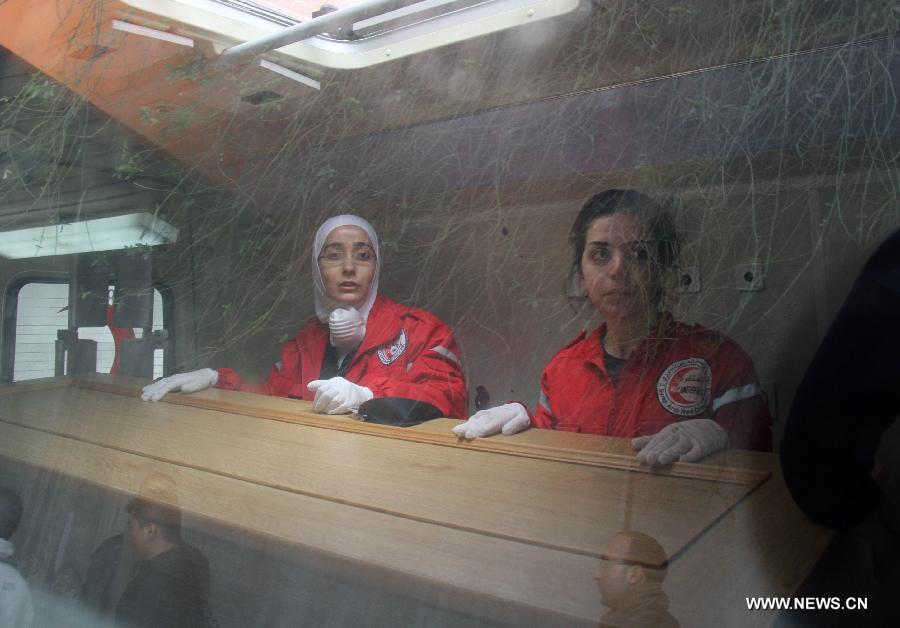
{"points": [[119, 25], [283, 71], [99, 234], [398, 13]]}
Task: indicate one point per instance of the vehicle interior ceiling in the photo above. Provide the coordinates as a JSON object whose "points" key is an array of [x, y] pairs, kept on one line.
{"points": [[465, 155]]}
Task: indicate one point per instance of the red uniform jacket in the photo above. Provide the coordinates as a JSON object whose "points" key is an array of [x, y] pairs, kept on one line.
{"points": [[119, 334], [406, 352], [678, 372]]}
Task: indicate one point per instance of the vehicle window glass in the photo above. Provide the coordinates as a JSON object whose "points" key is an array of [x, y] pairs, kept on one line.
{"points": [[42, 311]]}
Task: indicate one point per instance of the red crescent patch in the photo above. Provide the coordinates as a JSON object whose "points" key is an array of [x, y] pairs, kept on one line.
{"points": [[684, 387]]}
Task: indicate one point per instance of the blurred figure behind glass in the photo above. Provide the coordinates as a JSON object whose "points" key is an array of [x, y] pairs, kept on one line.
{"points": [[170, 586], [630, 580], [849, 397], [149, 576], [15, 598]]}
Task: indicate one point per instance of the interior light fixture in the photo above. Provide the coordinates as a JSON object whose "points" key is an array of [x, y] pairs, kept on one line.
{"points": [[283, 71], [378, 37], [455, 25], [136, 29], [411, 9], [98, 234]]}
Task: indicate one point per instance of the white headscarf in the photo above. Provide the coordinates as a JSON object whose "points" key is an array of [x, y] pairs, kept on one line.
{"points": [[325, 305]]}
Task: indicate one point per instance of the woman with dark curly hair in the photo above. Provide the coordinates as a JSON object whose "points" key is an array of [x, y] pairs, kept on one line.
{"points": [[681, 392]]}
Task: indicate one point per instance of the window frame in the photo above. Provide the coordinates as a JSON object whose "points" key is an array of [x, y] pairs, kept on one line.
{"points": [[229, 26], [11, 308]]}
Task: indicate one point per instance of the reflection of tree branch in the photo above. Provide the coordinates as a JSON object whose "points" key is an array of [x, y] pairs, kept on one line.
{"points": [[481, 255]]}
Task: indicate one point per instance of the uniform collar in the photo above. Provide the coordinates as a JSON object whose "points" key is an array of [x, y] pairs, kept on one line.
{"points": [[382, 326], [664, 329], [592, 346]]}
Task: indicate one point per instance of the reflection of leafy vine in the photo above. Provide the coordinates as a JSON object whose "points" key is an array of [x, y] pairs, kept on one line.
{"points": [[130, 165], [188, 71], [487, 252], [40, 88]]}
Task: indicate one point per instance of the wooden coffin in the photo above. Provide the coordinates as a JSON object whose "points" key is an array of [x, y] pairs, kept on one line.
{"points": [[506, 530]]}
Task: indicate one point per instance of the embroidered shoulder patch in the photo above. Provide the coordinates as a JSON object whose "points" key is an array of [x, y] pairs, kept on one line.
{"points": [[684, 387], [388, 353]]}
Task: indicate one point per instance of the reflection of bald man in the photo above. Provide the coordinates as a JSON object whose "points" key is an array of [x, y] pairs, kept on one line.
{"points": [[630, 581], [112, 564], [149, 576]]}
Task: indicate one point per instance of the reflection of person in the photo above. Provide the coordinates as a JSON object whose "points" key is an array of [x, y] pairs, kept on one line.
{"points": [[630, 580], [170, 586], [848, 397], [109, 570], [359, 346], [680, 391], [846, 402], [15, 598], [113, 564]]}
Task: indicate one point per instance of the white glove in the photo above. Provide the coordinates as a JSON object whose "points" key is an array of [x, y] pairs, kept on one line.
{"points": [[685, 441], [337, 395], [346, 327], [508, 418], [185, 382]]}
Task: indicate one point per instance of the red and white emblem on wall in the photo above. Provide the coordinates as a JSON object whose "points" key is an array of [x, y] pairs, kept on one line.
{"points": [[389, 353], [684, 387]]}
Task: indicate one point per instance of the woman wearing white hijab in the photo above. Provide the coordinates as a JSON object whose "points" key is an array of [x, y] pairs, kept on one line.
{"points": [[360, 345]]}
